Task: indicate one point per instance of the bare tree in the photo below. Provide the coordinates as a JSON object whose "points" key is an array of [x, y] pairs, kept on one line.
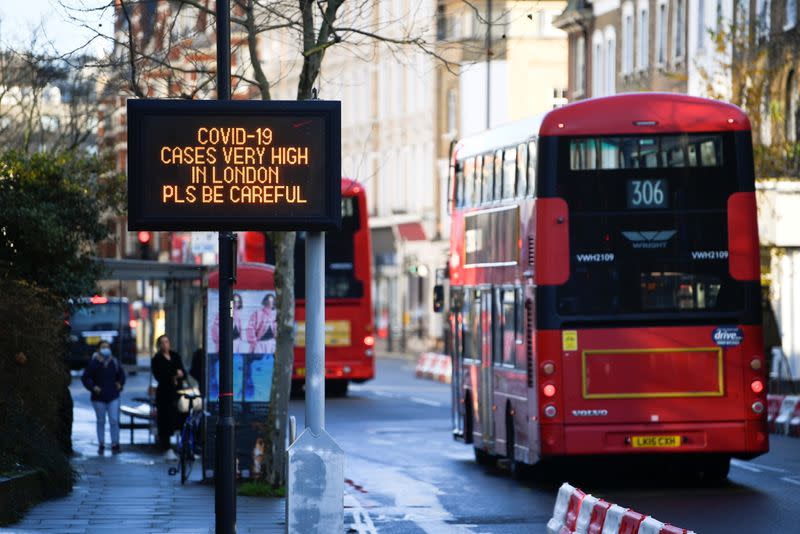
{"points": [[166, 49], [45, 104]]}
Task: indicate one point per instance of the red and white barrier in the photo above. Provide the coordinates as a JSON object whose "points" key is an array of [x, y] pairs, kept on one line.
{"points": [[576, 512], [786, 413], [423, 364], [434, 366], [566, 510], [773, 409]]}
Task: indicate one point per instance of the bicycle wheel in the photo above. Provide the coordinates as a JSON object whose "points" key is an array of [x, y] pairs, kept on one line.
{"points": [[187, 458]]}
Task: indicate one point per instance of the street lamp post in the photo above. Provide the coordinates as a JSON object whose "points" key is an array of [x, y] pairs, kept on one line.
{"points": [[225, 473]]}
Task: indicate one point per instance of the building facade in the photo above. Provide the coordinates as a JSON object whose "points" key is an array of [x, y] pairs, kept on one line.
{"points": [[618, 46], [743, 51]]}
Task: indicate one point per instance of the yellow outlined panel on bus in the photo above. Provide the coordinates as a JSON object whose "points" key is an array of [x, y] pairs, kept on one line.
{"points": [[719, 392]]}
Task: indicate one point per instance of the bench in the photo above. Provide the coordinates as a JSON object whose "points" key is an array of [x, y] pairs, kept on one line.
{"points": [[136, 414]]}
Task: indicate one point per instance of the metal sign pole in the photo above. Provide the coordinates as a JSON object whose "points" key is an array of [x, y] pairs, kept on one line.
{"points": [[225, 472], [315, 331], [315, 497]]}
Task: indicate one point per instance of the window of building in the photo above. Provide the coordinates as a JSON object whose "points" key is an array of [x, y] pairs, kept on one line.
{"points": [[627, 38], [791, 14], [661, 33], [452, 108], [597, 64], [643, 51], [701, 24], [441, 21], [559, 97], [680, 33], [580, 65], [791, 108], [765, 130], [763, 28], [610, 62], [743, 18]]}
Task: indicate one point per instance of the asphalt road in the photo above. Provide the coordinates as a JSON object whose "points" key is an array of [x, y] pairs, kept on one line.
{"points": [[406, 475]]}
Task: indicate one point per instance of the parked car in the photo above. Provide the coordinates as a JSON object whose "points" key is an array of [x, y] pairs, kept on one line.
{"points": [[98, 318]]}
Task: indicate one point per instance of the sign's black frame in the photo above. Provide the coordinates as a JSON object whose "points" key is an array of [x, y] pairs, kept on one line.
{"points": [[328, 110]]}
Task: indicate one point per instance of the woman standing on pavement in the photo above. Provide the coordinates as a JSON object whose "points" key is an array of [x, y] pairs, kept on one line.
{"points": [[105, 377], [168, 370]]}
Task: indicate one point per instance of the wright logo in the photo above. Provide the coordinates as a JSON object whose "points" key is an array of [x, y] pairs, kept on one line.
{"points": [[657, 239]]}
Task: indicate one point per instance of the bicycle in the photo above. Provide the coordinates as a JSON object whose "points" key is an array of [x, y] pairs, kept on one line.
{"points": [[187, 443]]}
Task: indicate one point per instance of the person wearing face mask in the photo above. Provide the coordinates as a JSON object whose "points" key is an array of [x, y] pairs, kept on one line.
{"points": [[105, 378]]}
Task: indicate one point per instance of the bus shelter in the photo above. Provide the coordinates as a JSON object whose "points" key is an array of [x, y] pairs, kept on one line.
{"points": [[165, 298]]}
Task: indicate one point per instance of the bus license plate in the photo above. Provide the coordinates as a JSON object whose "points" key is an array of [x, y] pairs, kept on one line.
{"points": [[92, 340], [656, 441]]}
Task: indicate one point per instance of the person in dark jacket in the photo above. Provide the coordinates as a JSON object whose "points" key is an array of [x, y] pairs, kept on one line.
{"points": [[169, 372], [105, 378]]}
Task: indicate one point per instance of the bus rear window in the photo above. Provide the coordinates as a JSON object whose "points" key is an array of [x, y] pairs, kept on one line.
{"points": [[652, 152]]}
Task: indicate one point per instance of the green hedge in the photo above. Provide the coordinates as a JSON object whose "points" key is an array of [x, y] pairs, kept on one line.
{"points": [[35, 407]]}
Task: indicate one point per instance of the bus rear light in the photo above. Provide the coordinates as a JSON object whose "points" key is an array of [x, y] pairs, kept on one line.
{"points": [[369, 341], [550, 411], [755, 364], [548, 368], [758, 407], [132, 323], [560, 125], [731, 121], [549, 390], [757, 386]]}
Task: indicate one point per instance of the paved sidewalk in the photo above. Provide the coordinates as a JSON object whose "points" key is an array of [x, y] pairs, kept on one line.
{"points": [[133, 492]]}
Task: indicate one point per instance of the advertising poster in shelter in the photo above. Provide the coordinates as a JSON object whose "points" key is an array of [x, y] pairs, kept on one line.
{"points": [[254, 330]]}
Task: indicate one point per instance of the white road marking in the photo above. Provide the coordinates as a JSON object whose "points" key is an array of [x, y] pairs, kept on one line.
{"points": [[362, 522], [791, 480], [426, 402], [383, 394], [768, 468], [743, 465]]}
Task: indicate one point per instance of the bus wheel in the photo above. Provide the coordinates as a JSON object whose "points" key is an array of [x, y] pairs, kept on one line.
{"points": [[516, 469], [715, 470], [484, 458], [336, 388]]}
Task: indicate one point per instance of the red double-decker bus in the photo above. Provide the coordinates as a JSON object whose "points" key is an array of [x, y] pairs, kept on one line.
{"points": [[604, 285], [349, 335]]}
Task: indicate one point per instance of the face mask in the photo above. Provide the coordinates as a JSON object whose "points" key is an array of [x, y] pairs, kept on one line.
{"points": [[105, 352]]}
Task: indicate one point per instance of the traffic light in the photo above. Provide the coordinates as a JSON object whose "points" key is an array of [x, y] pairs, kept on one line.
{"points": [[145, 245]]}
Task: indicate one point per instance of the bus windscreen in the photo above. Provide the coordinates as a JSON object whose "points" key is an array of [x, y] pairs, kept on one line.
{"points": [[648, 225], [340, 277]]}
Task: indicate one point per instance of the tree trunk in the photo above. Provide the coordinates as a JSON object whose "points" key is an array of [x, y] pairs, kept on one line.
{"points": [[275, 438], [284, 242]]}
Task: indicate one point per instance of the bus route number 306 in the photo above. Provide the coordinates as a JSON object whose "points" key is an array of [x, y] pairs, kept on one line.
{"points": [[643, 194]]}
